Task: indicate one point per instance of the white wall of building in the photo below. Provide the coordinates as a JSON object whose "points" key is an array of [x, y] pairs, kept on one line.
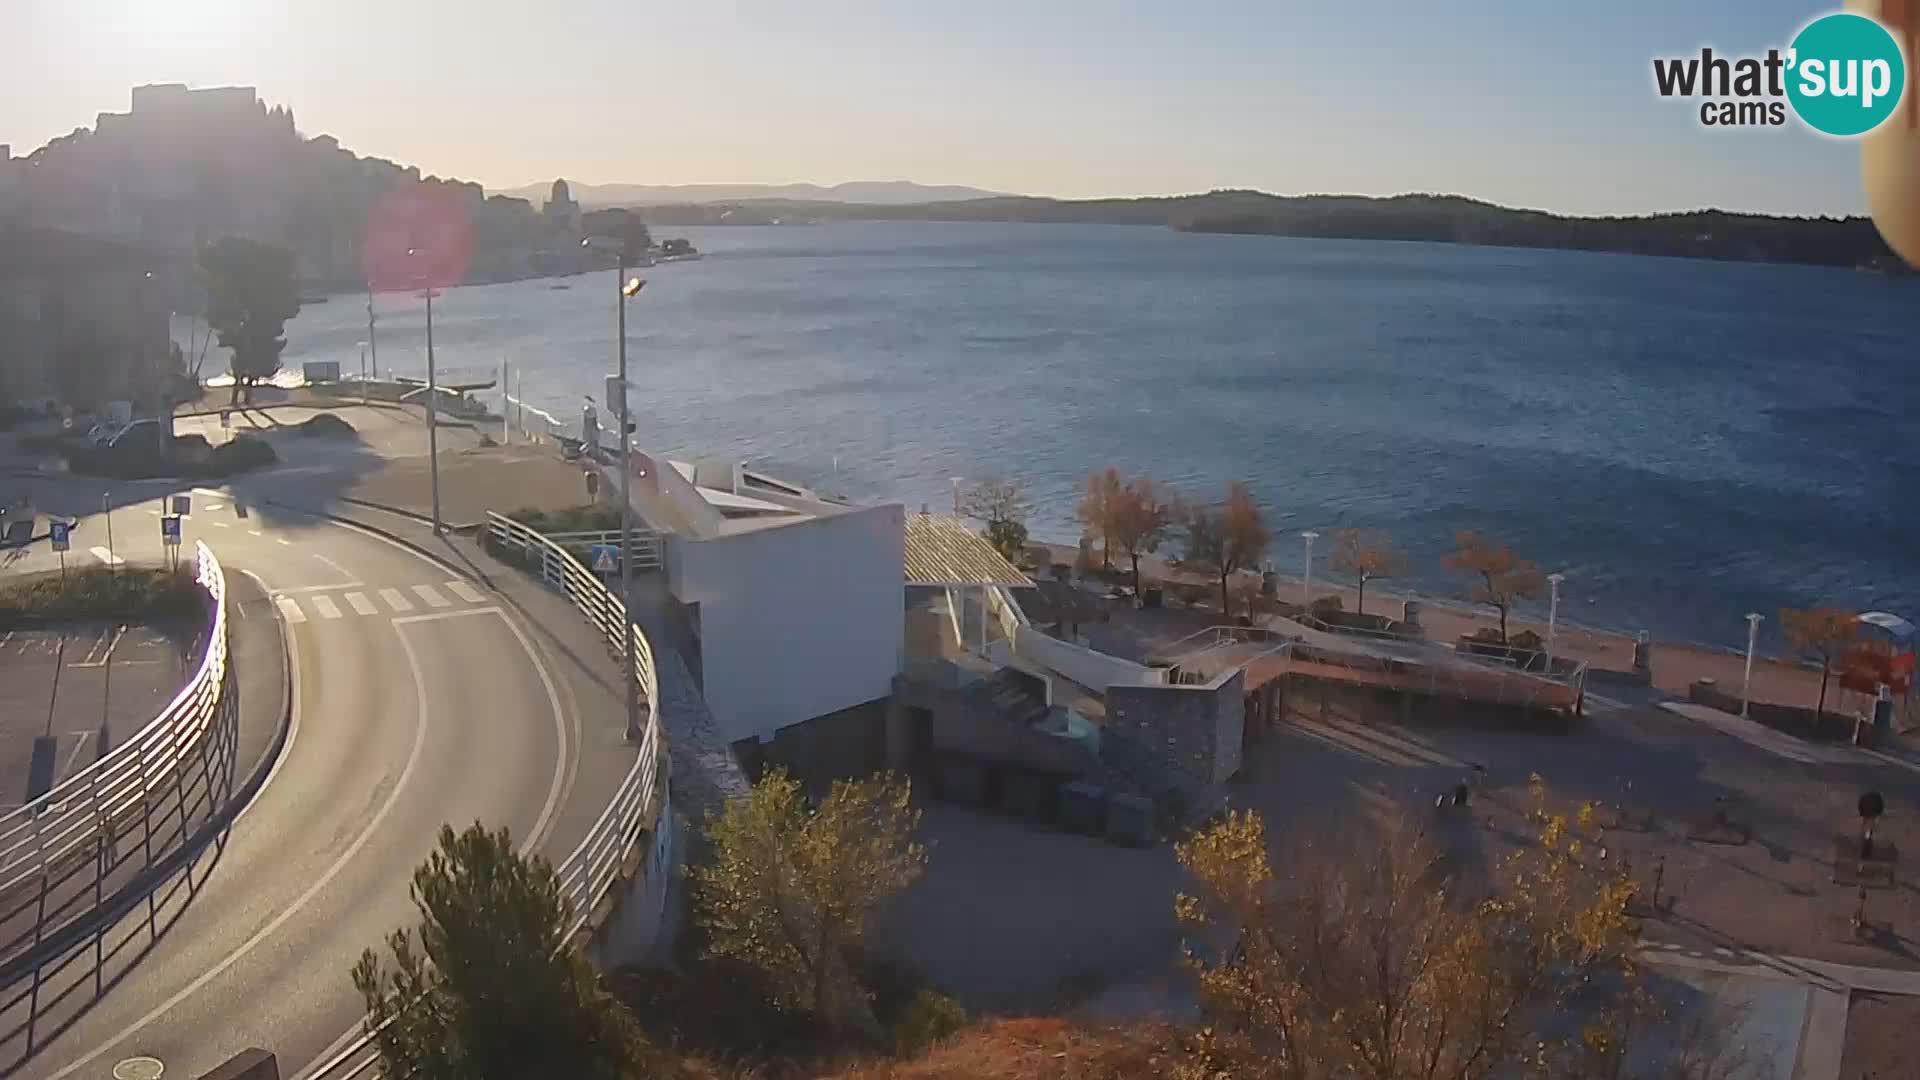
{"points": [[796, 620], [1094, 670]]}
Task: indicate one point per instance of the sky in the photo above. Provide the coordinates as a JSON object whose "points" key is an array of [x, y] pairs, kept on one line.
{"points": [[1534, 103]]}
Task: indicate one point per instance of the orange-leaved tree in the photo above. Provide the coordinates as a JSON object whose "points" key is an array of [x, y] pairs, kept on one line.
{"points": [[1501, 578], [1824, 632], [1365, 554], [1228, 538]]}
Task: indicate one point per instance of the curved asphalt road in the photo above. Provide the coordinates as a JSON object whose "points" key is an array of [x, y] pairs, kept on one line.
{"points": [[404, 720]]}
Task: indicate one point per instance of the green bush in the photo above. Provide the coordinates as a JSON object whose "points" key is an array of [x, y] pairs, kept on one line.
{"points": [[1527, 641], [593, 518], [929, 1018], [1323, 605], [240, 453], [326, 426], [98, 592]]}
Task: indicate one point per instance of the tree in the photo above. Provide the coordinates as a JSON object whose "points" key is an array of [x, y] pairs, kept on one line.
{"points": [[1228, 538], [1384, 966], [490, 986], [1501, 578], [251, 293], [1001, 503], [1824, 632], [1095, 510], [791, 885], [1138, 518], [1365, 554]]}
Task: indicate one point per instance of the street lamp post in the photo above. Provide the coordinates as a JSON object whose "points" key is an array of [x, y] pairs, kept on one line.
{"points": [[955, 481], [363, 373], [433, 418], [1553, 610], [1746, 678], [1306, 583], [625, 290]]}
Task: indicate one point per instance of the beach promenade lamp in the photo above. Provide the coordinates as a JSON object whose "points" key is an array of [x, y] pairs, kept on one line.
{"points": [[627, 289], [1306, 582], [433, 391], [1746, 679], [1553, 612]]}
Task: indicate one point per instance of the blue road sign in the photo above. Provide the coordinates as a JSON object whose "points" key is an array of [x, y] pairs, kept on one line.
{"points": [[170, 530], [605, 558], [57, 532]]}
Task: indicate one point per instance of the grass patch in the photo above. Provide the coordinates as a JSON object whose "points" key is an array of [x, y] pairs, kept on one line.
{"points": [[101, 593], [594, 518]]}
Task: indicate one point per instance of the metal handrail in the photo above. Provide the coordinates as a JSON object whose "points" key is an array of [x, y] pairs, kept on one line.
{"points": [[595, 863], [83, 814]]}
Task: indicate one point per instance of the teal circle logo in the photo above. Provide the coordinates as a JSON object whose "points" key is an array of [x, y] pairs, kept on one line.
{"points": [[1845, 74]]}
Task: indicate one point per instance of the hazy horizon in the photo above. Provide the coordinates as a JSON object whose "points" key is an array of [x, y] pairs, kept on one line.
{"points": [[1498, 101]]}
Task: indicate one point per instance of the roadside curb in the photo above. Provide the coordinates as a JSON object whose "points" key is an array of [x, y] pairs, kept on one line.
{"points": [[437, 558], [113, 908], [424, 519]]}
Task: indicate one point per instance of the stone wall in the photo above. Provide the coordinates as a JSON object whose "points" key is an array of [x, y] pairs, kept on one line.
{"points": [[1178, 741]]}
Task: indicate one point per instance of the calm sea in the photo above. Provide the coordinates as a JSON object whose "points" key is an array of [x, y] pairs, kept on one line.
{"points": [[1686, 441]]}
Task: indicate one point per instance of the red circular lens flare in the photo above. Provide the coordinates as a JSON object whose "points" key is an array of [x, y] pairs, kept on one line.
{"points": [[417, 237]]}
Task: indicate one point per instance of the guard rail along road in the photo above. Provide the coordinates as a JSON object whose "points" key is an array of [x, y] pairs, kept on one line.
{"points": [[63, 855], [587, 875]]}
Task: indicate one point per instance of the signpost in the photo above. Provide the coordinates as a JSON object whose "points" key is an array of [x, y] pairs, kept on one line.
{"points": [[183, 505], [605, 558], [170, 535], [58, 532]]}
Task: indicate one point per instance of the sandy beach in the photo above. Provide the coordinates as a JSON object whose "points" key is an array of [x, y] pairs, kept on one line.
{"points": [[1675, 666]]}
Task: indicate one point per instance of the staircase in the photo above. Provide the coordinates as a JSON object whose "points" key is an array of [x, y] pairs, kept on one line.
{"points": [[1017, 696]]}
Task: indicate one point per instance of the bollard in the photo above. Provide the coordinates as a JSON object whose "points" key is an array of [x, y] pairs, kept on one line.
{"points": [[1659, 876]]}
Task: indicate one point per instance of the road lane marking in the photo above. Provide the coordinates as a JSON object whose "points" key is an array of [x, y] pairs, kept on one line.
{"points": [[465, 592], [432, 596], [290, 610], [210, 493], [435, 616], [396, 599], [152, 511], [317, 588], [360, 604], [283, 542], [373, 826], [255, 532], [219, 525], [106, 556], [341, 570], [213, 506], [325, 606]]}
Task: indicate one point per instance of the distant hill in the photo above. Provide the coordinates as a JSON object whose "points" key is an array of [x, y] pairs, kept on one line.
{"points": [[877, 192], [1447, 219]]}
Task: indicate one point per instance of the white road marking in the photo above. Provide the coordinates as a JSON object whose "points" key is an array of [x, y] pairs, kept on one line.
{"points": [[360, 604], [210, 492], [283, 542], [79, 744], [219, 524], [325, 606], [317, 588], [435, 616], [396, 600], [341, 570], [333, 871], [465, 592], [152, 511], [106, 556], [255, 532], [213, 506], [432, 596], [290, 610]]}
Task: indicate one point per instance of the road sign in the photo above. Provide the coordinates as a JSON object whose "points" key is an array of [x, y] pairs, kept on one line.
{"points": [[605, 558], [57, 532], [170, 530], [183, 505], [593, 484], [226, 418]]}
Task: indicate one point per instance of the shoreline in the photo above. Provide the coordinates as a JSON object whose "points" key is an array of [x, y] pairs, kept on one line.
{"points": [[1675, 665]]}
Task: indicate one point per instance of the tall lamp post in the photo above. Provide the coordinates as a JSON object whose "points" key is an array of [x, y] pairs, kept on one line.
{"points": [[626, 289], [1306, 583], [1746, 678], [1553, 611], [433, 419]]}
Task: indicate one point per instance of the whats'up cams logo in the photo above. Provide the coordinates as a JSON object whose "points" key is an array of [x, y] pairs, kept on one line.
{"points": [[1844, 75]]}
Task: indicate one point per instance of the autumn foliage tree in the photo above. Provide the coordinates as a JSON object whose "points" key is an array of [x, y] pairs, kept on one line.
{"points": [[1365, 554], [1227, 538], [490, 987], [792, 884], [1388, 967], [1138, 519], [1824, 632], [1095, 509], [1501, 579]]}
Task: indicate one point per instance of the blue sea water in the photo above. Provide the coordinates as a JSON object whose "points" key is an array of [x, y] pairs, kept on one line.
{"points": [[1687, 441]]}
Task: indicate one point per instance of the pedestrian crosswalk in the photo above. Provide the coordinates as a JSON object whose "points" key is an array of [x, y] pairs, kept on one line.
{"points": [[326, 604]]}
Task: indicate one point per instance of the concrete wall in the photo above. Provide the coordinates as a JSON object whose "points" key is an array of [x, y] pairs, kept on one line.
{"points": [[796, 621], [1093, 670], [638, 929], [1193, 734]]}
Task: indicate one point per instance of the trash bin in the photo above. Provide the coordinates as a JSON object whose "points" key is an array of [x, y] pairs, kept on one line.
{"points": [[1152, 596], [1410, 613]]}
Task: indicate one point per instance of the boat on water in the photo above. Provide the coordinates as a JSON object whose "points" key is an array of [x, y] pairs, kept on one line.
{"points": [[562, 285]]}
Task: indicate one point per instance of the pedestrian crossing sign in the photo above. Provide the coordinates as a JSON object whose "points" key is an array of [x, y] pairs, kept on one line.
{"points": [[606, 558]]}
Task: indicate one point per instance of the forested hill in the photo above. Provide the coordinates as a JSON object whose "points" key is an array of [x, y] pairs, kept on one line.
{"points": [[1710, 234]]}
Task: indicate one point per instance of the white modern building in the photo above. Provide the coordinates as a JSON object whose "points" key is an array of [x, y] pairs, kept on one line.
{"points": [[795, 601]]}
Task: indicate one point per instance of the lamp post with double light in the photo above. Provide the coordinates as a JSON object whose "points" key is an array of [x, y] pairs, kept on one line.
{"points": [[627, 288]]}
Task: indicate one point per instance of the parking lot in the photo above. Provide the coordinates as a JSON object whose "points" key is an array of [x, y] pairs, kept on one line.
{"points": [[84, 687]]}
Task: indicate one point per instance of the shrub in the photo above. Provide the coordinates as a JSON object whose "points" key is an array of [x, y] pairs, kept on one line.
{"points": [[98, 592], [1327, 605], [1527, 641], [929, 1018], [592, 518], [326, 426], [240, 453]]}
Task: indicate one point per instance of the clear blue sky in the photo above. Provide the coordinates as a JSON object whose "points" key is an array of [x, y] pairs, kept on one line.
{"points": [[1537, 103]]}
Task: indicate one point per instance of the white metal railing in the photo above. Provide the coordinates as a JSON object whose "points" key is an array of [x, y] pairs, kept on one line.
{"points": [[81, 817], [645, 544], [594, 866]]}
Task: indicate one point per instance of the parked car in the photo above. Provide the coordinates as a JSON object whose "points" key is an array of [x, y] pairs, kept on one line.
{"points": [[102, 433], [140, 436]]}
